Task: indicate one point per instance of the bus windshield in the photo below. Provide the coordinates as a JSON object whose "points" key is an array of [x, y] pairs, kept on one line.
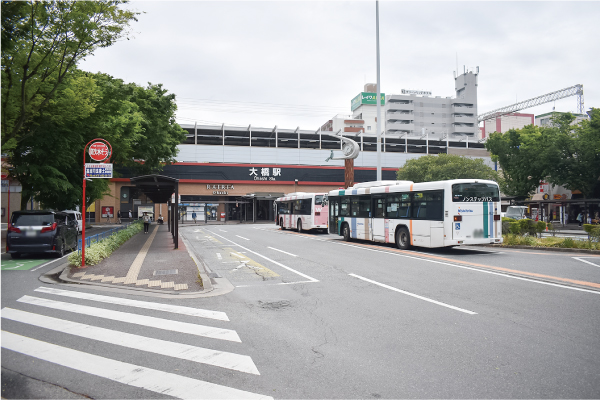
{"points": [[474, 192]]}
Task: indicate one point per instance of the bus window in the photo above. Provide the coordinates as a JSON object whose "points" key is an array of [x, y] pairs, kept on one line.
{"points": [[379, 207], [345, 207], [475, 192], [361, 206], [428, 205]]}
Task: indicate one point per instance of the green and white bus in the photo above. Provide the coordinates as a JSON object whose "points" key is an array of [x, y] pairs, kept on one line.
{"points": [[427, 214]]}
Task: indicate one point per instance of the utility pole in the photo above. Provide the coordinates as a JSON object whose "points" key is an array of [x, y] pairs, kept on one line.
{"points": [[378, 96]]}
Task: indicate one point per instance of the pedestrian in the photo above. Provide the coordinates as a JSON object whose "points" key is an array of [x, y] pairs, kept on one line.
{"points": [[130, 216], [146, 222], [194, 216], [580, 218], [119, 216], [107, 215]]}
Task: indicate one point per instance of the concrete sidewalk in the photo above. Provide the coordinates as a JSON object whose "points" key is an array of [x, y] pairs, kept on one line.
{"points": [[147, 262]]}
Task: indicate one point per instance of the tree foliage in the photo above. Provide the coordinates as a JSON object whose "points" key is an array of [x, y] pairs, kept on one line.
{"points": [[137, 121], [562, 154], [42, 41], [443, 167]]}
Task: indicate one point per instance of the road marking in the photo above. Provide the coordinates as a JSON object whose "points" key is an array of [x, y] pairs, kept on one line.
{"points": [[273, 261], [182, 351], [585, 261], [194, 312], [153, 322], [414, 295], [222, 230], [487, 269], [237, 255], [219, 256], [164, 383], [273, 248], [241, 237]]}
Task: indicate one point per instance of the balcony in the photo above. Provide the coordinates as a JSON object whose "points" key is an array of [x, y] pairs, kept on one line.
{"points": [[400, 106], [463, 119], [399, 126]]}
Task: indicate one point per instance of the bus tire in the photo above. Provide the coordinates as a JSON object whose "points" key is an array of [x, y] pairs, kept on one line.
{"points": [[346, 232], [281, 224], [403, 238], [299, 225]]}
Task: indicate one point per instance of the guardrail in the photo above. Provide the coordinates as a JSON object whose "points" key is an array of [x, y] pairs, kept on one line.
{"points": [[100, 236]]}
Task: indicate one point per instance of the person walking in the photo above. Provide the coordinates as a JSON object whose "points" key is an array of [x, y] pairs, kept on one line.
{"points": [[146, 222], [194, 216], [130, 216], [580, 218], [119, 216]]}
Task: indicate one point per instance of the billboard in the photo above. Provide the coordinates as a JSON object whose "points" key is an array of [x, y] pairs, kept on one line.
{"points": [[366, 98]]}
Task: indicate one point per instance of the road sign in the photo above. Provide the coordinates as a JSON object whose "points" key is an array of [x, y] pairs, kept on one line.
{"points": [[98, 170], [99, 151]]}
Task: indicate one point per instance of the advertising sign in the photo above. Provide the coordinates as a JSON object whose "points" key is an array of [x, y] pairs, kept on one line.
{"points": [[108, 212], [366, 98], [417, 92], [93, 170]]}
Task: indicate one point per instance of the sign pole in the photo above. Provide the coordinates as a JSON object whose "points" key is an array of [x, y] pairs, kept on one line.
{"points": [[96, 155]]}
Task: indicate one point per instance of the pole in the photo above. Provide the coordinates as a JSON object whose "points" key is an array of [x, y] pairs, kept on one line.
{"points": [[378, 96]]}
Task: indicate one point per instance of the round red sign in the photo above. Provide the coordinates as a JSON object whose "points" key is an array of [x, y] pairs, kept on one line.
{"points": [[99, 151]]}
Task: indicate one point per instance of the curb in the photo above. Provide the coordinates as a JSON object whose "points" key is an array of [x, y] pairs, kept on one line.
{"points": [[559, 249]]}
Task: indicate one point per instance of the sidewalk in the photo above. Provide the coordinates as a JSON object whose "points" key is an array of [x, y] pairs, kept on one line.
{"points": [[146, 262]]}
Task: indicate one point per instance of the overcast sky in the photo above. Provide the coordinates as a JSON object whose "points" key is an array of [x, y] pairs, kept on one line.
{"points": [[293, 64]]}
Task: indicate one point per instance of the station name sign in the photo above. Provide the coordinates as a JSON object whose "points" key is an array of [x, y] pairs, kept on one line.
{"points": [[219, 189], [98, 170], [417, 92]]}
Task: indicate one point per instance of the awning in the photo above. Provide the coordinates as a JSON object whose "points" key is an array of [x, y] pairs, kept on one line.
{"points": [[158, 188]]}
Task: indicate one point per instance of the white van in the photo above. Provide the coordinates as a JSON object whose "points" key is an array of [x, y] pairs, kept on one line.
{"points": [[77, 216]]}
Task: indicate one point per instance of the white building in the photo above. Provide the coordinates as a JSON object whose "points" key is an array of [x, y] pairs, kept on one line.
{"points": [[546, 119], [504, 123]]}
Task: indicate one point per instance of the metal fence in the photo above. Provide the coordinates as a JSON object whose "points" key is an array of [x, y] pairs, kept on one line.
{"points": [[100, 236]]}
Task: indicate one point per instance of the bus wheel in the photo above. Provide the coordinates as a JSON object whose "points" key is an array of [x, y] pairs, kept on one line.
{"points": [[299, 225], [346, 232], [402, 239], [281, 224]]}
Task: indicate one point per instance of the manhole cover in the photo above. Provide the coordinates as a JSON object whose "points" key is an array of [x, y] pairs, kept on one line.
{"points": [[165, 272]]}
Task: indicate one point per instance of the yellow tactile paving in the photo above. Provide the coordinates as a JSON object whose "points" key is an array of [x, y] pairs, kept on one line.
{"points": [[154, 283], [165, 285], [134, 270], [181, 286]]}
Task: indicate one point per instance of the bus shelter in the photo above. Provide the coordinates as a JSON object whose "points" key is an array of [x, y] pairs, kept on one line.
{"points": [[160, 189]]}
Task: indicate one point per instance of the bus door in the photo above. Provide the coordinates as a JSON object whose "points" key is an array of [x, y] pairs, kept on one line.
{"points": [[334, 211], [378, 224]]}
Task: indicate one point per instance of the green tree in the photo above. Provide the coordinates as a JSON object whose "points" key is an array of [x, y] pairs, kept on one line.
{"points": [[520, 153], [49, 161], [46, 39], [575, 156], [443, 167]]}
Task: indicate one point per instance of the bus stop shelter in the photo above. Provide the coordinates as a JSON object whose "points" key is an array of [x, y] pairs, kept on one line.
{"points": [[160, 189]]}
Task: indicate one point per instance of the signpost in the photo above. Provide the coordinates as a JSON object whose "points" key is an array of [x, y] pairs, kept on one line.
{"points": [[100, 151]]}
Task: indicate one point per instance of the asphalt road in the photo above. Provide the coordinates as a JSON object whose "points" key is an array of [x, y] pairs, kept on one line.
{"points": [[322, 318]]}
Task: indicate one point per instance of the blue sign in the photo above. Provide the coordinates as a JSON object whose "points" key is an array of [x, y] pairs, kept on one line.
{"points": [[100, 170]]}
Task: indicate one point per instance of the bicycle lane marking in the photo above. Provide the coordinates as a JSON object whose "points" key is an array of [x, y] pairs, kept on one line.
{"points": [[22, 265]]}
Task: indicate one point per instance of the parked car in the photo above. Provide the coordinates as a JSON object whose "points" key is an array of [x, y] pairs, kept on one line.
{"points": [[40, 231], [516, 212], [77, 216]]}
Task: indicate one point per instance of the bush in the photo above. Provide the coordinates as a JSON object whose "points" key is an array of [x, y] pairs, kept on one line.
{"points": [[540, 226], [593, 232], [101, 250], [506, 225]]}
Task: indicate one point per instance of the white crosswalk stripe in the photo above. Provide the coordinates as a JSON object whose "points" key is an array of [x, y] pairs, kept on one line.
{"points": [[153, 322], [138, 376]]}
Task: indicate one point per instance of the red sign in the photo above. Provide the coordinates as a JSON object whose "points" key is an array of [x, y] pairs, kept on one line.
{"points": [[4, 175], [99, 151], [108, 212]]}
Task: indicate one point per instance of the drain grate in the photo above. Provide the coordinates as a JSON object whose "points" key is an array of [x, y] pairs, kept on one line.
{"points": [[165, 272]]}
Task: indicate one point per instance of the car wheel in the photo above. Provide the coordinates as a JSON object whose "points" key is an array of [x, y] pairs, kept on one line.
{"points": [[299, 225], [346, 232], [281, 224], [61, 252], [402, 238], [15, 255]]}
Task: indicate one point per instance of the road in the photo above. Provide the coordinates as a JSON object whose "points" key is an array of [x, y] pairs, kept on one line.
{"points": [[317, 317]]}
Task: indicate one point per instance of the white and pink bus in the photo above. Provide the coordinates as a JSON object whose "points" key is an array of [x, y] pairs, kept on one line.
{"points": [[302, 211]]}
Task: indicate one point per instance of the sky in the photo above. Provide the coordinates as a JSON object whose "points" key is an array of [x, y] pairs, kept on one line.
{"points": [[299, 63]]}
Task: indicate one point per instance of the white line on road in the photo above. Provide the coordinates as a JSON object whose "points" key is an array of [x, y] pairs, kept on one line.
{"points": [[237, 255], [153, 322], [273, 261], [585, 261], [219, 256], [160, 382], [241, 237], [182, 351], [273, 248], [414, 295], [194, 312], [222, 230]]}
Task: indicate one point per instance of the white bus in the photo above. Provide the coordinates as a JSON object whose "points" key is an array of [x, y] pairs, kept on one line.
{"points": [[427, 214], [302, 211]]}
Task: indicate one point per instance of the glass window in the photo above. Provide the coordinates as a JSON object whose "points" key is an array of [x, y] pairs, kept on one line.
{"points": [[397, 205], [428, 205], [379, 207], [475, 192], [345, 207], [361, 206]]}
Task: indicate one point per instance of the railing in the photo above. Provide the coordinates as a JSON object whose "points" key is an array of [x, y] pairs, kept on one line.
{"points": [[99, 236]]}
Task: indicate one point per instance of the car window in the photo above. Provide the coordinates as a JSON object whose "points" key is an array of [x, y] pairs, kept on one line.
{"points": [[33, 219]]}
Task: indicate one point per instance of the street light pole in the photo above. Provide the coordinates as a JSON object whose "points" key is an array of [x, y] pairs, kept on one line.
{"points": [[378, 96]]}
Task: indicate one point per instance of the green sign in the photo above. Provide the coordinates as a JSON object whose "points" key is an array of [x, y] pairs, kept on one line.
{"points": [[366, 98]]}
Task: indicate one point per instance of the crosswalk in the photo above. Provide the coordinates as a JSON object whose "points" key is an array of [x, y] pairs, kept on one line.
{"points": [[41, 312]]}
